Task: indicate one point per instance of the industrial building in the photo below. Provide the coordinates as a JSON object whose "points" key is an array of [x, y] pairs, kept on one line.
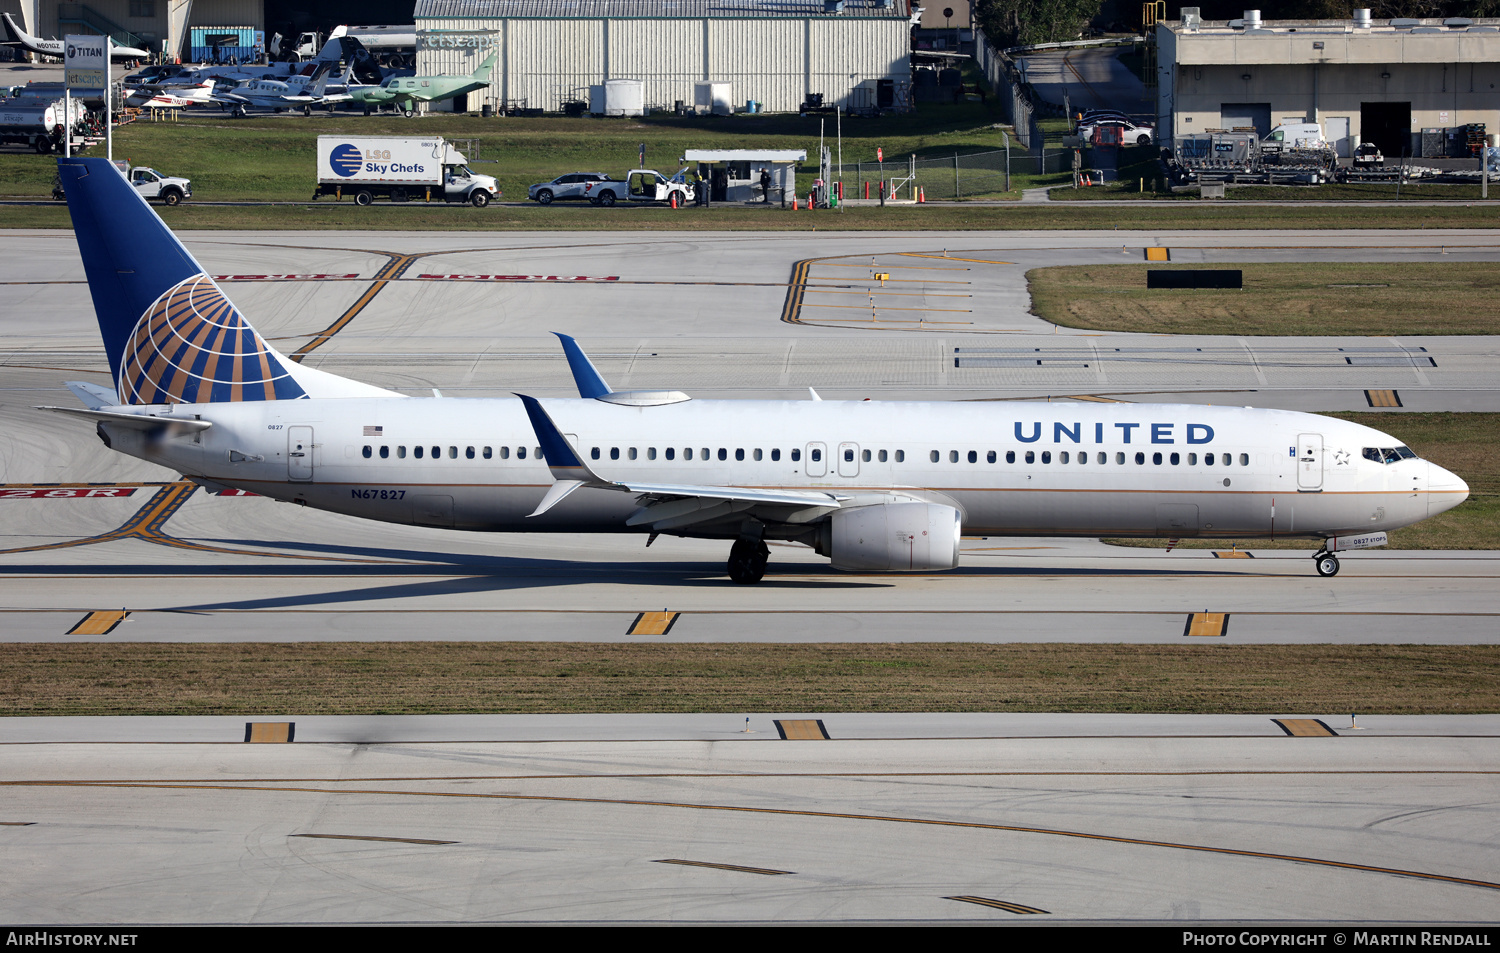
{"points": [[1413, 87], [774, 53]]}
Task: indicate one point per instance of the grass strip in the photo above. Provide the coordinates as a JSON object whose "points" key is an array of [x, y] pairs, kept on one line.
{"points": [[346, 678], [1463, 443], [346, 216], [1333, 298]]}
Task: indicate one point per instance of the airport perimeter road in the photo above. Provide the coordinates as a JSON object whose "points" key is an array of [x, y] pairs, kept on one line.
{"points": [[708, 818]]}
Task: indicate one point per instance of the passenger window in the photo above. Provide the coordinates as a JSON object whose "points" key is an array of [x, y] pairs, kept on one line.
{"points": [[935, 456], [1062, 456], [775, 454], [1046, 456], [539, 454], [739, 453], [815, 454], [1010, 456], [1176, 459], [952, 456], [1119, 457], [385, 452], [796, 455], [367, 452], [900, 456], [520, 453], [865, 456], [757, 455], [1030, 456], [594, 453], [705, 454], [1208, 459], [650, 453], [883, 456], [437, 452], [1192, 459], [468, 453], [973, 456], [671, 453], [504, 453], [723, 454], [1244, 459], [614, 453], [632, 453], [452, 453], [488, 453], [990, 457], [687, 453], [1140, 458], [1083, 457], [1103, 457], [416, 452], [400, 452]]}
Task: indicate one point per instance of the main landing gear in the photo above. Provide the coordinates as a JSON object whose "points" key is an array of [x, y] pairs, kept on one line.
{"points": [[1326, 563], [747, 561]]}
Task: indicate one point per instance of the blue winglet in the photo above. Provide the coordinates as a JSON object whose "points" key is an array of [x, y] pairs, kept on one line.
{"points": [[585, 375], [561, 460]]}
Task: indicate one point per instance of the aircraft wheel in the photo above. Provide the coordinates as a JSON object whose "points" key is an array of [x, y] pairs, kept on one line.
{"points": [[747, 561], [307, 111], [408, 112], [367, 110], [363, 197], [1327, 564]]}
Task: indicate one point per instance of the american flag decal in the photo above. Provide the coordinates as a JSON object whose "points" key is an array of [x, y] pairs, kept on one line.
{"points": [[373, 431]]}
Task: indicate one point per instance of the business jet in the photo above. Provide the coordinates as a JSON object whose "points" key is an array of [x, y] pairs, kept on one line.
{"points": [[41, 47], [877, 486]]}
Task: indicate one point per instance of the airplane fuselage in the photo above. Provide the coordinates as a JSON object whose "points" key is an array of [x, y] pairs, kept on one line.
{"points": [[1171, 470]]}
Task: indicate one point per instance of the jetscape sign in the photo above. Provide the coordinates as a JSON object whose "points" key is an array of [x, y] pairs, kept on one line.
{"points": [[85, 62]]}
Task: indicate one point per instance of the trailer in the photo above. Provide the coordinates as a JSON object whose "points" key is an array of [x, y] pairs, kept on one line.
{"points": [[402, 170]]}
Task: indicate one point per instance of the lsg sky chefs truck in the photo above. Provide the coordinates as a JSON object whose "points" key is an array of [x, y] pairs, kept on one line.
{"points": [[404, 170]]}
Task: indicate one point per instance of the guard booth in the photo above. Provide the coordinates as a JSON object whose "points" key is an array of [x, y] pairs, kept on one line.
{"points": [[733, 175]]}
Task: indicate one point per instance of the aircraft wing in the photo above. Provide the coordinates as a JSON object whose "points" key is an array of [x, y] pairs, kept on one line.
{"points": [[663, 505]]}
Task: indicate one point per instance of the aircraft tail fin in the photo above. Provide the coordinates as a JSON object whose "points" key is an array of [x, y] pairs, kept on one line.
{"points": [[482, 74], [585, 375], [171, 334]]}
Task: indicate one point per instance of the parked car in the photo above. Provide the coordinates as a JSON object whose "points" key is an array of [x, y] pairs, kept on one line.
{"points": [[643, 186], [148, 183], [574, 185], [154, 74], [1128, 131]]}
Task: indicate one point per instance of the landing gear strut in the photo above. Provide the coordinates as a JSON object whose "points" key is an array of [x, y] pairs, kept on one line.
{"points": [[1326, 563], [747, 561]]}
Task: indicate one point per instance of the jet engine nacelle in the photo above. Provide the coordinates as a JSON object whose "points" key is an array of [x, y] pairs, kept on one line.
{"points": [[893, 537]]}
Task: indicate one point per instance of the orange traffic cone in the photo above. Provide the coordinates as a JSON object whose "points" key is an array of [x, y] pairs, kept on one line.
{"points": [[921, 196], [674, 200], [794, 201]]}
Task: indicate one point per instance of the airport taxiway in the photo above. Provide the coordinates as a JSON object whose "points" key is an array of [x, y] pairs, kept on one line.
{"points": [[717, 818], [717, 314]]}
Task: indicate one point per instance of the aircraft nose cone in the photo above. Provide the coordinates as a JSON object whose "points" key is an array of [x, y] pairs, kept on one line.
{"points": [[1445, 489]]}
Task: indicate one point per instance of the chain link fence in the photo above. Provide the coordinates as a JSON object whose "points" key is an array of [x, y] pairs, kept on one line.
{"points": [[973, 175]]}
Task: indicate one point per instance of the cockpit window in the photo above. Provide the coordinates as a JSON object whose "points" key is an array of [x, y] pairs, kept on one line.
{"points": [[1388, 454]]}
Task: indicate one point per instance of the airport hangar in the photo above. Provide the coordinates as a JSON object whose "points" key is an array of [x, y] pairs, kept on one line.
{"points": [[1390, 82], [855, 53], [156, 25]]}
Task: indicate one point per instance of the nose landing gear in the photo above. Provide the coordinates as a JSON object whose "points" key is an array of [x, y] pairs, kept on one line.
{"points": [[747, 561]]}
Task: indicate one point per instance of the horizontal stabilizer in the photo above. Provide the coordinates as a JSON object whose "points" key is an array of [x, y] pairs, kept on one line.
{"points": [[92, 395], [171, 425]]}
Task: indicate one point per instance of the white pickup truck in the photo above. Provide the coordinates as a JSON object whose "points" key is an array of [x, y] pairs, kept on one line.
{"points": [[642, 185], [151, 184]]}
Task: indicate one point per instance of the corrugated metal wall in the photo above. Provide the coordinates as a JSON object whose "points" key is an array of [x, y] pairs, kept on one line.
{"points": [[773, 61]]}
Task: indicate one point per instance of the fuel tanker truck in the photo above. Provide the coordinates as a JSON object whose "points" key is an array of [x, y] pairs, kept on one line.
{"points": [[33, 123]]}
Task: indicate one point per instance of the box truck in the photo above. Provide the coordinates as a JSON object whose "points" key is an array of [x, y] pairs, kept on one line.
{"points": [[421, 170]]}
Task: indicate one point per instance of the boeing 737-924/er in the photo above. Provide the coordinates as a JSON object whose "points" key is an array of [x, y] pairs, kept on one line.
{"points": [[873, 485]]}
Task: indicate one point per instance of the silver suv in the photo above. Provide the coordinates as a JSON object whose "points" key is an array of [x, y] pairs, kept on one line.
{"points": [[574, 185]]}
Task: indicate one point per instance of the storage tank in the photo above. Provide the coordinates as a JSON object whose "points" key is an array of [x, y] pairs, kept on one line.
{"points": [[32, 123], [624, 97]]}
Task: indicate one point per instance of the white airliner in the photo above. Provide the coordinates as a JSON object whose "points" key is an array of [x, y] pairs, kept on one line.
{"points": [[874, 485]]}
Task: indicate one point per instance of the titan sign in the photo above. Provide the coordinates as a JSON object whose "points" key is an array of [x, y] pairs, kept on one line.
{"points": [[85, 61]]}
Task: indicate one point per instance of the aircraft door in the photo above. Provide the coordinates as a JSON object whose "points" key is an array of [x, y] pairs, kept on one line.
{"points": [[817, 460], [299, 453], [1310, 461], [848, 459]]}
